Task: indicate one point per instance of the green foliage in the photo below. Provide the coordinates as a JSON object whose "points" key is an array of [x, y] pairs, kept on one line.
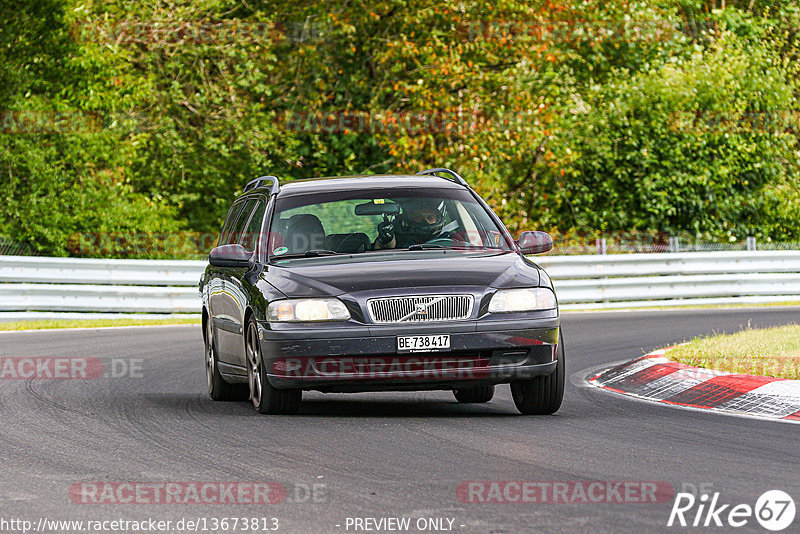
{"points": [[570, 116], [49, 199], [688, 147]]}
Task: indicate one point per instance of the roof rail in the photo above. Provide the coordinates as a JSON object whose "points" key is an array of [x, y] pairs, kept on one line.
{"points": [[453, 174], [258, 182]]}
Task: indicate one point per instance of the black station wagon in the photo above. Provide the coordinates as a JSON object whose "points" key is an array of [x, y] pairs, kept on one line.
{"points": [[377, 283]]}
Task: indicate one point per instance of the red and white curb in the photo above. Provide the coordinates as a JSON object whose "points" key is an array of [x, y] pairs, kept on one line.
{"points": [[657, 378]]}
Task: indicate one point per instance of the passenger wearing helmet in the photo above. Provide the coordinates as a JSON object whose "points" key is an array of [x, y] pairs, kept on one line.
{"points": [[421, 220]]}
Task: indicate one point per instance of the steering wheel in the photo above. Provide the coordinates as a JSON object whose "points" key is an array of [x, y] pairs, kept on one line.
{"points": [[356, 240]]}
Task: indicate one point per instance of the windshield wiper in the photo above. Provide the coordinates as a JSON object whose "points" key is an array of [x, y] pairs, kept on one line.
{"points": [[421, 246], [308, 254], [473, 248], [319, 252]]}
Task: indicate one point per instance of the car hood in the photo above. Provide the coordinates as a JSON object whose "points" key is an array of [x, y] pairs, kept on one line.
{"points": [[335, 275]]}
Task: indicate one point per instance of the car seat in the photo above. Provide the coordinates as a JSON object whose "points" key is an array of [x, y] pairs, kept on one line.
{"points": [[304, 232]]}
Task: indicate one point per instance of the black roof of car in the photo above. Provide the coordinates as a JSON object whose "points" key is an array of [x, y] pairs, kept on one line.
{"points": [[356, 182]]}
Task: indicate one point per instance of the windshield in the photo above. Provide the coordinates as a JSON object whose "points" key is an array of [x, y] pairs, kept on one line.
{"points": [[354, 222]]}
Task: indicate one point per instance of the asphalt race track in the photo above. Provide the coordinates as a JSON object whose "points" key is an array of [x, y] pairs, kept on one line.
{"points": [[378, 455]]}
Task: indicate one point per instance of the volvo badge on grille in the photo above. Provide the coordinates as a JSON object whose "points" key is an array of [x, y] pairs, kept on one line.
{"points": [[420, 309]]}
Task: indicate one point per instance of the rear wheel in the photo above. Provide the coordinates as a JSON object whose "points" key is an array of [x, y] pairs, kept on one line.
{"points": [[218, 389], [266, 398], [478, 394], [541, 395]]}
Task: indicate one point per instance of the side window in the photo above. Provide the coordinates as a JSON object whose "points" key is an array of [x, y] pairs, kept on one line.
{"points": [[471, 233], [252, 233], [233, 213], [337, 217], [241, 222]]}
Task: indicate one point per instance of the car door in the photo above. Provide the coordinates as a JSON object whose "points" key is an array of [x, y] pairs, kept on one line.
{"points": [[228, 299], [215, 288], [240, 287]]}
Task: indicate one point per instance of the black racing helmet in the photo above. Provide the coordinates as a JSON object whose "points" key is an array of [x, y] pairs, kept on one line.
{"points": [[422, 218]]}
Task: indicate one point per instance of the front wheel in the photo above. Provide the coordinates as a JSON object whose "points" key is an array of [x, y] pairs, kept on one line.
{"points": [[218, 389], [266, 398], [541, 395]]}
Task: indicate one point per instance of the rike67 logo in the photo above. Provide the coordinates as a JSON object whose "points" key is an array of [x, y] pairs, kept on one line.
{"points": [[774, 510]]}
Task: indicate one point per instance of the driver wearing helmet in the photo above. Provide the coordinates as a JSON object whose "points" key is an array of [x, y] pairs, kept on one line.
{"points": [[420, 220]]}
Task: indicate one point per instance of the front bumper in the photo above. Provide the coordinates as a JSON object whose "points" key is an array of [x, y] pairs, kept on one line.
{"points": [[365, 358]]}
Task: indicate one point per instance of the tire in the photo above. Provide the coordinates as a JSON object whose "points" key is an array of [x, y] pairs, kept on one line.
{"points": [[218, 388], [541, 395], [478, 394], [265, 398]]}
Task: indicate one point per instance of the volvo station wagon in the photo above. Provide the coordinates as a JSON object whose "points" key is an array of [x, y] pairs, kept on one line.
{"points": [[377, 283]]}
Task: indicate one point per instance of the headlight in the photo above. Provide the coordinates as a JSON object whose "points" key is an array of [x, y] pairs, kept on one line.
{"points": [[306, 310], [519, 300]]}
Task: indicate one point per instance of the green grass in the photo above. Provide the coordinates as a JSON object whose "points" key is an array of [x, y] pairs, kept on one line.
{"points": [[764, 352], [85, 323]]}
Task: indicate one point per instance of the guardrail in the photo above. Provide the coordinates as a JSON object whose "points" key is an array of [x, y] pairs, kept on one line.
{"points": [[37, 284], [642, 280], [91, 285]]}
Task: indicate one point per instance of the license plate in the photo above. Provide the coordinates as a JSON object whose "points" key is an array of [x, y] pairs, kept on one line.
{"points": [[423, 343]]}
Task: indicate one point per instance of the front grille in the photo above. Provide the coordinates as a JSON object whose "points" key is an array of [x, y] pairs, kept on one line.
{"points": [[421, 309]]}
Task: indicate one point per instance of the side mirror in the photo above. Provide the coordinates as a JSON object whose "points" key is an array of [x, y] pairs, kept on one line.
{"points": [[230, 256], [534, 242]]}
